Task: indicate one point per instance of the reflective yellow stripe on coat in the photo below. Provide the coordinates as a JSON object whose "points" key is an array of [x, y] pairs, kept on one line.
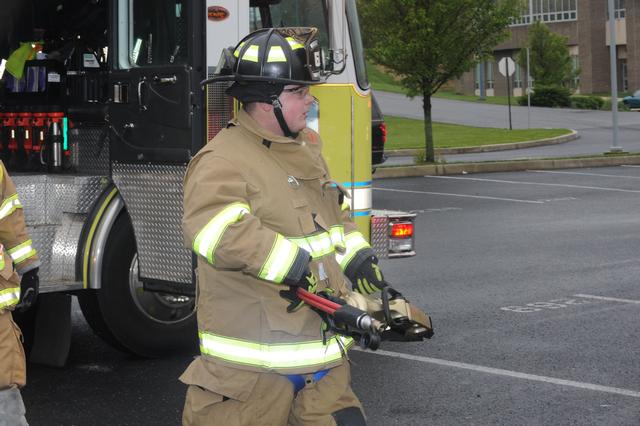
{"points": [[9, 297], [273, 356], [22, 252], [355, 242]]}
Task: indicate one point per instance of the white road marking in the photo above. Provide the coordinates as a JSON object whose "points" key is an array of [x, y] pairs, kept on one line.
{"points": [[537, 183], [610, 299], [583, 174], [629, 165], [508, 373], [459, 195]]}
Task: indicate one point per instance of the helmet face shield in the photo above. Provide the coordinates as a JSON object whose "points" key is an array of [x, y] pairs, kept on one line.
{"points": [[283, 56]]}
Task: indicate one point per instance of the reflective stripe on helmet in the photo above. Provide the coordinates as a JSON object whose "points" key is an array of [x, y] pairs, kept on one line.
{"points": [[9, 297], [9, 205], [210, 235], [280, 259], [251, 54], [237, 51], [22, 252], [276, 54], [294, 44], [273, 355], [354, 242]]}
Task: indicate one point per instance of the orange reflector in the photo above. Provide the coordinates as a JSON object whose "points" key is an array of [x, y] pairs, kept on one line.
{"points": [[401, 230]]}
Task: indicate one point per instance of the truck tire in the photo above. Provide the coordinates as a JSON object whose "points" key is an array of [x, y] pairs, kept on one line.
{"points": [[147, 324]]}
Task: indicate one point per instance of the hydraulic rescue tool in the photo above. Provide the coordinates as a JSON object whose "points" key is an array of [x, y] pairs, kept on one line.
{"points": [[370, 320]]}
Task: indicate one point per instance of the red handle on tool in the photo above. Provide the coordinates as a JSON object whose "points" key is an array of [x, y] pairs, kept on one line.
{"points": [[318, 302]]}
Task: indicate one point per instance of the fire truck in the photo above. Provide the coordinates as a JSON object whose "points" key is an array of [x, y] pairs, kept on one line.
{"points": [[102, 109]]}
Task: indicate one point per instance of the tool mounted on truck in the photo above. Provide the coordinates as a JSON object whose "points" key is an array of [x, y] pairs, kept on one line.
{"points": [[370, 320]]}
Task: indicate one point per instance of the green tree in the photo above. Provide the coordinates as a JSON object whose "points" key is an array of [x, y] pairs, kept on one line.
{"points": [[549, 60], [429, 42]]}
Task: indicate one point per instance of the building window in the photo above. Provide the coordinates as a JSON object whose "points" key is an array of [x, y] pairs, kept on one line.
{"points": [[517, 77], [476, 83], [575, 66], [490, 75], [619, 9], [549, 11], [624, 75]]}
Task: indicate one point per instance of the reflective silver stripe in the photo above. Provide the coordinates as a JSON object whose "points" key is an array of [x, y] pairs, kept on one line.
{"points": [[9, 296], [22, 252], [273, 356], [209, 237], [355, 242], [279, 262], [9, 206]]}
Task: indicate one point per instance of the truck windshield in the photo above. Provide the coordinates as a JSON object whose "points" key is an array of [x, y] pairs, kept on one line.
{"points": [[291, 13]]}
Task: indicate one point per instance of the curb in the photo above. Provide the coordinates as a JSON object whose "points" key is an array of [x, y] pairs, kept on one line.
{"points": [[487, 148], [503, 166]]}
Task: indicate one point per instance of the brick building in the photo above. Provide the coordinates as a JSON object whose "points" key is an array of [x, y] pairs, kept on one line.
{"points": [[585, 23]]}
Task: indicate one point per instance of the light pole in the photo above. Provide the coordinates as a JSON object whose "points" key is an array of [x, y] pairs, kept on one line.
{"points": [[614, 78]]}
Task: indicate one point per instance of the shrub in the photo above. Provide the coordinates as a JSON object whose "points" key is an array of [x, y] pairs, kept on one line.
{"points": [[548, 96], [587, 102], [621, 106]]}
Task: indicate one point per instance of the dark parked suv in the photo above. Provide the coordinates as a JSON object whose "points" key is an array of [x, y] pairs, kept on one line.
{"points": [[378, 134]]}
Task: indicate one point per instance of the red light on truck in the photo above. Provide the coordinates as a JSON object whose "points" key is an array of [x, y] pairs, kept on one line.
{"points": [[402, 230], [383, 129]]}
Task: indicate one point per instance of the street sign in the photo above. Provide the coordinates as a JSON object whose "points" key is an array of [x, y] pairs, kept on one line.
{"points": [[506, 65]]}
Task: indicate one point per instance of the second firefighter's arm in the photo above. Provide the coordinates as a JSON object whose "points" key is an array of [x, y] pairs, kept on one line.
{"points": [[220, 227]]}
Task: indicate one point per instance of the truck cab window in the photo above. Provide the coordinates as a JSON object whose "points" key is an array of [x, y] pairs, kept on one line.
{"points": [[291, 13], [152, 33]]}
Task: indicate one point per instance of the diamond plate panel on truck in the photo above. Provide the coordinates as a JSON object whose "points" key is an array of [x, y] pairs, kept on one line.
{"points": [[47, 197], [380, 235], [152, 194], [219, 108], [55, 208], [90, 149]]}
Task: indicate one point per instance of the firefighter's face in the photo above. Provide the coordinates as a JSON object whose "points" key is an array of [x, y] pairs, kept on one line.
{"points": [[296, 101]]}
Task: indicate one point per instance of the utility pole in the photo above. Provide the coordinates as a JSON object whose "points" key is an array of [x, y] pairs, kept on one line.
{"points": [[614, 78]]}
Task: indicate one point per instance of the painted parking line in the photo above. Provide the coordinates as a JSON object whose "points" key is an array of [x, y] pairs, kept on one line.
{"points": [[583, 174], [508, 373], [459, 195], [562, 185], [610, 299]]}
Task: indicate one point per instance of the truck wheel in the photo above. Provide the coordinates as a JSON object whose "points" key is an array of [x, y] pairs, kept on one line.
{"points": [[148, 324]]}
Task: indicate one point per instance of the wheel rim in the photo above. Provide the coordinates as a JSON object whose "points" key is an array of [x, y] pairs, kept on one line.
{"points": [[159, 307]]}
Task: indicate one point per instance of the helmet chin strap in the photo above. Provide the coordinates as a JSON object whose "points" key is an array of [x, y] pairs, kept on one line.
{"points": [[277, 110]]}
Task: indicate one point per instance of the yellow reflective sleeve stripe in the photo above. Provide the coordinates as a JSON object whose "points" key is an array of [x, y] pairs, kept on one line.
{"points": [[345, 206], [209, 237], [295, 44], [9, 205], [9, 297], [22, 252], [276, 54], [355, 242], [323, 243], [251, 54], [273, 356], [283, 254]]}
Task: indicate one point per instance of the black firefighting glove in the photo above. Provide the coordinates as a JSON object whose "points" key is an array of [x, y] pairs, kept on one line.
{"points": [[29, 289], [307, 282], [368, 277]]}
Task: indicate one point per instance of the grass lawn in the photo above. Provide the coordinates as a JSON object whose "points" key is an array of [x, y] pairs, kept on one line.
{"points": [[403, 133]]}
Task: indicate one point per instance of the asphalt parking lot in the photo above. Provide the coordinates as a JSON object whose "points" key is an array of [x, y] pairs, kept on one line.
{"points": [[531, 279]]}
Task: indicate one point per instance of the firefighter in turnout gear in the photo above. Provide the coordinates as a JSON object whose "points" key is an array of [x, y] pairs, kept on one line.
{"points": [[18, 290], [264, 217]]}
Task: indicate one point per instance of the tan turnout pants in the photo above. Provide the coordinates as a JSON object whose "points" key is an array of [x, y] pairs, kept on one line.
{"points": [[272, 402]]}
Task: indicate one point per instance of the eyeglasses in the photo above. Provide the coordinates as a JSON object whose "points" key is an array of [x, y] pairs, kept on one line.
{"points": [[300, 91]]}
